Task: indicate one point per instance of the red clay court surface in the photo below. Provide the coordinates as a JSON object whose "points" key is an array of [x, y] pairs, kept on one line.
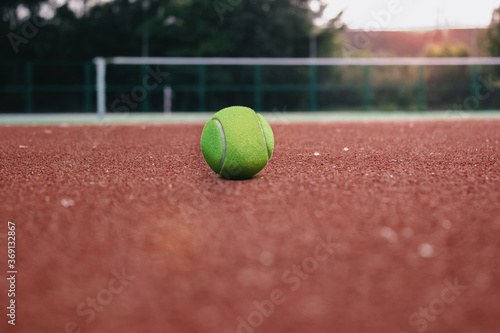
{"points": [[399, 232]]}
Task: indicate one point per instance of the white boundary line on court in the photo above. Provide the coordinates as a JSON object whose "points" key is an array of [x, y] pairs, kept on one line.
{"points": [[272, 117]]}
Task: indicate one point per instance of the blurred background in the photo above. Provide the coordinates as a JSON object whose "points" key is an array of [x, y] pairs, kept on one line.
{"points": [[47, 49]]}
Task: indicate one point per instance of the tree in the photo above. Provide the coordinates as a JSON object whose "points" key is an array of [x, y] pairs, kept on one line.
{"points": [[456, 77], [187, 28], [234, 28], [448, 50], [17, 28], [494, 34]]}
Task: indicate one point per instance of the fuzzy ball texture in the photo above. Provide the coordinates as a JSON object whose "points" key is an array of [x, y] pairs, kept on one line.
{"points": [[237, 143]]}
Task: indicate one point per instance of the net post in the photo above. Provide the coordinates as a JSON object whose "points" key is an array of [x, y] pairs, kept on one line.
{"points": [[167, 99], [100, 63]]}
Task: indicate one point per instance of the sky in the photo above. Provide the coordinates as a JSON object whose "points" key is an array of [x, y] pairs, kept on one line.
{"points": [[412, 14]]}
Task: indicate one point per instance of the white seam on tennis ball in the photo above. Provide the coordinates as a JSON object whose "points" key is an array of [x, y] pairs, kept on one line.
{"points": [[223, 144], [263, 135]]}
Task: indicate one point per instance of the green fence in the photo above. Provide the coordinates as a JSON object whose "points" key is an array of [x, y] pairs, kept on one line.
{"points": [[23, 84], [65, 86]]}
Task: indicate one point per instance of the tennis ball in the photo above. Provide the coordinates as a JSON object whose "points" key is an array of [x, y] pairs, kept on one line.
{"points": [[237, 142]]}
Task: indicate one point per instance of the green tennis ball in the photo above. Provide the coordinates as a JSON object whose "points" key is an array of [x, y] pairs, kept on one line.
{"points": [[237, 142]]}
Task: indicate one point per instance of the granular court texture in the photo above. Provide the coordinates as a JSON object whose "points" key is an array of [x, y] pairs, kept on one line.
{"points": [[352, 227]]}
